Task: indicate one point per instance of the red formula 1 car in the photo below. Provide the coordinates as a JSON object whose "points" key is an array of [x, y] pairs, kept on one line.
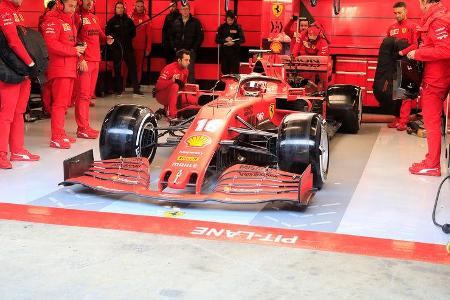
{"points": [[259, 140]]}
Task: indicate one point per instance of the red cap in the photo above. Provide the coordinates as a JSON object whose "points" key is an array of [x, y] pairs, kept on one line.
{"points": [[313, 30]]}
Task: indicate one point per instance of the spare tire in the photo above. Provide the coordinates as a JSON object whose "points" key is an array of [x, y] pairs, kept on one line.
{"points": [[129, 131], [344, 104], [303, 140]]}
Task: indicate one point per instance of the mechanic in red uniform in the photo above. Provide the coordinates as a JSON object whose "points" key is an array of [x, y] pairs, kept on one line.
{"points": [[89, 33], [311, 43], [173, 77], [142, 42], [434, 51], [60, 37], [13, 97], [291, 30], [403, 29], [46, 91]]}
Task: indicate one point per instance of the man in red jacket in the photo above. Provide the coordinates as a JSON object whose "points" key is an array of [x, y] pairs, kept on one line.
{"points": [[13, 97], [311, 43], [60, 36], [173, 77], [90, 33], [46, 91], [403, 29], [434, 51], [291, 30], [142, 42]]}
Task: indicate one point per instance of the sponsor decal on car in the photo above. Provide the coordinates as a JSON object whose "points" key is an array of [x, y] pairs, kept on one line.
{"points": [[198, 141], [184, 165], [199, 153], [271, 110], [187, 158]]}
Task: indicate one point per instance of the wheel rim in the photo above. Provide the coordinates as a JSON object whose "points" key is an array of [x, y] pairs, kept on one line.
{"points": [[324, 154], [147, 138]]}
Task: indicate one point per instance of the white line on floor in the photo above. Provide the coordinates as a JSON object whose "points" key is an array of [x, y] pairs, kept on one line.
{"points": [[55, 201], [299, 225], [271, 219], [331, 204], [286, 224], [326, 213], [320, 223], [306, 216]]}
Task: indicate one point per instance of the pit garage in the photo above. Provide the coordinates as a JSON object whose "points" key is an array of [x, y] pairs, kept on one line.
{"points": [[369, 220]]}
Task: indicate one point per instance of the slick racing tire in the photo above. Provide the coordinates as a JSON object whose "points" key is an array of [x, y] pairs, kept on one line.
{"points": [[303, 140], [344, 105], [129, 131]]}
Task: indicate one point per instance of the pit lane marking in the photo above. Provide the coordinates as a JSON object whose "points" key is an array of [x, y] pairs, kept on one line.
{"points": [[55, 201], [320, 223], [326, 213], [272, 219], [331, 204]]}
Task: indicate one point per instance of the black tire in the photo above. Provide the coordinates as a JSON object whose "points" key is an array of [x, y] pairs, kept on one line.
{"points": [[303, 140], [129, 131], [345, 106]]}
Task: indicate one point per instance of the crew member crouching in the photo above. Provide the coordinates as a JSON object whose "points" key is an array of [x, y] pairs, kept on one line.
{"points": [[173, 77]]}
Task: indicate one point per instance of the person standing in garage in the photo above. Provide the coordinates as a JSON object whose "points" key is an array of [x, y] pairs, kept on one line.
{"points": [[122, 29], [13, 97], [434, 51], [403, 29], [291, 31], [311, 43], [91, 34], [188, 34], [142, 42], [230, 37], [168, 31], [60, 37]]}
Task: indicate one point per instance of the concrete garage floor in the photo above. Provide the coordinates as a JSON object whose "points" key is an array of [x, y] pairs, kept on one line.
{"points": [[369, 193], [57, 262]]}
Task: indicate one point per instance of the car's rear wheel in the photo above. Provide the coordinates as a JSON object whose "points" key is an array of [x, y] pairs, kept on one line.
{"points": [[129, 131], [303, 140]]}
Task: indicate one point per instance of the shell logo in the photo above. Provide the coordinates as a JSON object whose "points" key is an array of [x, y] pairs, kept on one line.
{"points": [[198, 141], [276, 47]]}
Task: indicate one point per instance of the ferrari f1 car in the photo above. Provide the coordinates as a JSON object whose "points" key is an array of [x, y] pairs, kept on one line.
{"points": [[260, 140]]}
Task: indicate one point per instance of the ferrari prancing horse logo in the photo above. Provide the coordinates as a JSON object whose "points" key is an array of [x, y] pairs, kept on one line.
{"points": [[277, 9], [271, 110]]}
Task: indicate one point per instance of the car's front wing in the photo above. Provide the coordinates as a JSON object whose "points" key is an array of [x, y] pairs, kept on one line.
{"points": [[239, 184]]}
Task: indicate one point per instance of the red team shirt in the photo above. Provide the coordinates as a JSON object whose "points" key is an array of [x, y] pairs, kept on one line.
{"points": [[306, 47], [405, 30], [143, 40], [91, 34], [167, 73], [10, 18], [60, 37]]}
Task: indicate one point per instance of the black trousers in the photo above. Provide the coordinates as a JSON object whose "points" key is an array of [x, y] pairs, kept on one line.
{"points": [[127, 55], [229, 60]]}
